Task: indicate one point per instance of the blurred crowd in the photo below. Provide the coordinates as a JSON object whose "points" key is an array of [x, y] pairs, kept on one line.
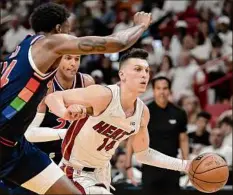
{"points": [[189, 41]]}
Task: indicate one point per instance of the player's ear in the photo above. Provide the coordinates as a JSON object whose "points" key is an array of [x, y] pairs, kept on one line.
{"points": [[58, 28], [121, 75]]}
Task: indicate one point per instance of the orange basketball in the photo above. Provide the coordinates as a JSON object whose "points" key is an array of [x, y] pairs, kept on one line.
{"points": [[208, 172]]}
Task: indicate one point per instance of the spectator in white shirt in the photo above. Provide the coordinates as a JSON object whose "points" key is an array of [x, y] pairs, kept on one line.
{"points": [[176, 40], [217, 146], [166, 68], [185, 74], [225, 33], [15, 35], [125, 21]]}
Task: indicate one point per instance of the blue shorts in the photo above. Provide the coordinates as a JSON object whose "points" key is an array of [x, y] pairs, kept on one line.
{"points": [[22, 162]]}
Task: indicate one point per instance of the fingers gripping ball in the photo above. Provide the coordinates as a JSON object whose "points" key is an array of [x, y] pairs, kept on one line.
{"points": [[208, 172]]}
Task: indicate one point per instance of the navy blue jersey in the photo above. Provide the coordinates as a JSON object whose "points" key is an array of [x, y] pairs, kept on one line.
{"points": [[22, 88], [53, 148]]}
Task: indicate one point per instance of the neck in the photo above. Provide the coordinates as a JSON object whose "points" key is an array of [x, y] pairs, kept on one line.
{"points": [[65, 82], [44, 33], [127, 98], [199, 132], [161, 104]]}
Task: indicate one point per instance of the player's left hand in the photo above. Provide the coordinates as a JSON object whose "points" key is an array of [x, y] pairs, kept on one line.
{"points": [[75, 112]]}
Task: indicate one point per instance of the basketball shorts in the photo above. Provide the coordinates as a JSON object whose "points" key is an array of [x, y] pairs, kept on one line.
{"points": [[89, 182], [29, 167]]}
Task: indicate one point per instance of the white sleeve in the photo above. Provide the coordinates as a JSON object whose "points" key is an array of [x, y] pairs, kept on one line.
{"points": [[157, 159], [35, 133]]}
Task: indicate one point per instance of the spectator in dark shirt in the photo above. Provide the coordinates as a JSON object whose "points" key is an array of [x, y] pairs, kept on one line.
{"points": [[200, 137]]}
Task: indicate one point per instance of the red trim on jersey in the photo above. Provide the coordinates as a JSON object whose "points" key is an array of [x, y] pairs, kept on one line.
{"points": [[69, 173], [71, 134], [81, 189], [7, 142]]}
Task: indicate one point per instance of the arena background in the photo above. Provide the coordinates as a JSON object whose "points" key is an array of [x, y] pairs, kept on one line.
{"points": [[189, 41]]}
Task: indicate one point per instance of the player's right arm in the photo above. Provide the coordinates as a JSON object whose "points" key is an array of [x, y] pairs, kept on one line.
{"points": [[47, 50], [65, 103], [63, 44]]}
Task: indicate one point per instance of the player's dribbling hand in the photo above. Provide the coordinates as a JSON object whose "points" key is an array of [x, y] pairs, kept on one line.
{"points": [[75, 112], [143, 18]]}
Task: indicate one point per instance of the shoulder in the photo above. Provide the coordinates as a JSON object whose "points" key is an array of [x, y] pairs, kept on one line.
{"points": [[100, 96], [88, 80], [151, 105], [99, 91], [177, 109]]}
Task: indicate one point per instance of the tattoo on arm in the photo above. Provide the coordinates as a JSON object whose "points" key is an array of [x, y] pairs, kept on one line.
{"points": [[89, 45], [112, 43]]}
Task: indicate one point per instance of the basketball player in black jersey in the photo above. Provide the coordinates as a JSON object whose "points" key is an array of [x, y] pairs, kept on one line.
{"points": [[67, 77]]}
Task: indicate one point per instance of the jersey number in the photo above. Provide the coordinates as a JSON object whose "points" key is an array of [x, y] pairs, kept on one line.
{"points": [[105, 145], [6, 72], [61, 125]]}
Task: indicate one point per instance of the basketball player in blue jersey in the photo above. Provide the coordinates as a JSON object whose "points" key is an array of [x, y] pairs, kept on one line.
{"points": [[48, 126], [24, 78]]}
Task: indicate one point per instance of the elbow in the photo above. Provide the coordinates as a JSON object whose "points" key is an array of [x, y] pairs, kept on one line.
{"points": [[29, 135], [123, 44]]}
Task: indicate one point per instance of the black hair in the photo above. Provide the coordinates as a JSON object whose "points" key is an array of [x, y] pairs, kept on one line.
{"points": [[226, 120], [161, 78], [204, 114], [47, 16], [169, 61], [133, 53], [216, 41]]}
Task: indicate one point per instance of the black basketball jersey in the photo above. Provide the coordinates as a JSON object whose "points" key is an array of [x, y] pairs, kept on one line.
{"points": [[53, 148]]}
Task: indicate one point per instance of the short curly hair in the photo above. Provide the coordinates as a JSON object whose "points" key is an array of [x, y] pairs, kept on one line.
{"points": [[133, 53], [46, 16]]}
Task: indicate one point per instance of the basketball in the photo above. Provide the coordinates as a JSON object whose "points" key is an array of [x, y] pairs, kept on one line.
{"points": [[208, 172]]}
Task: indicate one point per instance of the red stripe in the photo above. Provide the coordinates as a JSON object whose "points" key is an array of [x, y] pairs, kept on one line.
{"points": [[71, 134], [69, 173], [68, 135], [81, 189], [8, 141], [6, 144]]}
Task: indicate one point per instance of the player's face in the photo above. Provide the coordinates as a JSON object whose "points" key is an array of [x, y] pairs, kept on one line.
{"points": [[69, 65], [161, 91], [135, 74]]}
